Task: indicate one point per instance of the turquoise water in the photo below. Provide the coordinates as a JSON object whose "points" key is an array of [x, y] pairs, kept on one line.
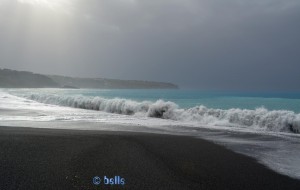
{"points": [[271, 136], [191, 98]]}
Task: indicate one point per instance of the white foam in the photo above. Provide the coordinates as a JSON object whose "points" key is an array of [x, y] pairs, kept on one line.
{"points": [[277, 150], [258, 119]]}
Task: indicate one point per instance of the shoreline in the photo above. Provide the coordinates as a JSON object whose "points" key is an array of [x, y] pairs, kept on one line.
{"points": [[33, 158]]}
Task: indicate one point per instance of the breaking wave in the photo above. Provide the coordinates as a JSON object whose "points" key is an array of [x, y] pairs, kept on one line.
{"points": [[278, 120]]}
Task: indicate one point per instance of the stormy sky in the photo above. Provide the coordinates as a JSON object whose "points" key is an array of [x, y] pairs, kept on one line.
{"points": [[204, 44]]}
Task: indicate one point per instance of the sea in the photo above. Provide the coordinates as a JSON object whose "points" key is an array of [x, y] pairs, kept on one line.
{"points": [[264, 125]]}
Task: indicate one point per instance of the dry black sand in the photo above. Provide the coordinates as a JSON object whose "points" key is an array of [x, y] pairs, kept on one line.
{"points": [[68, 159]]}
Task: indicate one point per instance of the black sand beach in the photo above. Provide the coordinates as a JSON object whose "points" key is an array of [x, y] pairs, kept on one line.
{"points": [[69, 159]]}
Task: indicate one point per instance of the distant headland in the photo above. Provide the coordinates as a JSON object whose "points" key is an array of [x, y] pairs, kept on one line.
{"points": [[24, 79]]}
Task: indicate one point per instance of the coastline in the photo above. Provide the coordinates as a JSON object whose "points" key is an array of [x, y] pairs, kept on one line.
{"points": [[34, 158]]}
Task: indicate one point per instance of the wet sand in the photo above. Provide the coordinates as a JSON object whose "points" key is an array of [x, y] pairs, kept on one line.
{"points": [[69, 159]]}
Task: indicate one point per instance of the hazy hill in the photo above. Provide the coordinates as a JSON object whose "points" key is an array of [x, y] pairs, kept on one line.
{"points": [[23, 79], [109, 83]]}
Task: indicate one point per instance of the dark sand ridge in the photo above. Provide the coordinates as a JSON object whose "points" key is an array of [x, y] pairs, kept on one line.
{"points": [[69, 159]]}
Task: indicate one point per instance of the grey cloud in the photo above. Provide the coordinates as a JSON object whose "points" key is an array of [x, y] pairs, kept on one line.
{"points": [[234, 44]]}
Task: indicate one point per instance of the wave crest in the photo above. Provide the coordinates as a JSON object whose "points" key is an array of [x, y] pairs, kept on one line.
{"points": [[277, 120]]}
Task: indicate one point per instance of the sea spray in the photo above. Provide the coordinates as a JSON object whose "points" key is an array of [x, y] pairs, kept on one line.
{"points": [[277, 120]]}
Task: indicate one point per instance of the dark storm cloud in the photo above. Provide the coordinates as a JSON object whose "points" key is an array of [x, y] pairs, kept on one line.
{"points": [[205, 44]]}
